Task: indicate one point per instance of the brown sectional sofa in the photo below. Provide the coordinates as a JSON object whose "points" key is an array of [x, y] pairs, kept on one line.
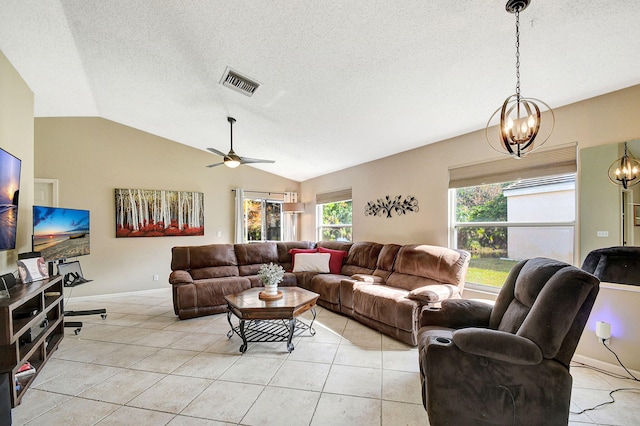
{"points": [[383, 286]]}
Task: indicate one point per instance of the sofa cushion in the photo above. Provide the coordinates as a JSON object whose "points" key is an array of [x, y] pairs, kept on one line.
{"points": [[312, 262], [284, 247], [387, 305], [327, 286], [295, 251], [252, 256], [192, 257], [386, 260], [367, 278], [335, 245], [419, 265], [336, 260], [212, 292], [362, 259], [214, 272]]}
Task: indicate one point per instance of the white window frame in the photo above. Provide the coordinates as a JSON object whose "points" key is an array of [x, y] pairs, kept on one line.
{"points": [[320, 226], [453, 227]]}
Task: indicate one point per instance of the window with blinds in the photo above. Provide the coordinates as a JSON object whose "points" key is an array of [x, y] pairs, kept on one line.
{"points": [[334, 212], [508, 210]]}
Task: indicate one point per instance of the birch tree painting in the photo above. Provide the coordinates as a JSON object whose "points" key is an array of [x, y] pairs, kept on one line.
{"points": [[157, 213]]}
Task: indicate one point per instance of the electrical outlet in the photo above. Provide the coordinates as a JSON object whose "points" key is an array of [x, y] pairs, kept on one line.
{"points": [[156, 277], [602, 233], [219, 234]]}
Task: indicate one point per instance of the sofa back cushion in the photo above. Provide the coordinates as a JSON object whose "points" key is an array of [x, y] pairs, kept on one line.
{"points": [[362, 258], [252, 256], [335, 245], [386, 260], [418, 265], [210, 261]]}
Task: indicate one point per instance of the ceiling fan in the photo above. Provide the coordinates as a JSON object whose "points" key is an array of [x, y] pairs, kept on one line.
{"points": [[232, 159]]}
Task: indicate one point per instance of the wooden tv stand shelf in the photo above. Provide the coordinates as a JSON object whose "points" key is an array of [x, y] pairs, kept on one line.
{"points": [[31, 327]]}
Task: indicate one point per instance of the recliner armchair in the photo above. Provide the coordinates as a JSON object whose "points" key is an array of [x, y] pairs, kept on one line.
{"points": [[507, 363]]}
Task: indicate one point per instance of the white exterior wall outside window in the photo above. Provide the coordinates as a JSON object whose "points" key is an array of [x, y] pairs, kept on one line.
{"points": [[554, 202], [537, 220]]}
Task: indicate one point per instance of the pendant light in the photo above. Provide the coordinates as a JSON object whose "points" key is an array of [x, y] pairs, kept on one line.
{"points": [[625, 170], [520, 119]]}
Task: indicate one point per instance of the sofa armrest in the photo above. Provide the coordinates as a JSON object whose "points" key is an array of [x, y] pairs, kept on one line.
{"points": [[434, 293], [498, 345], [457, 313], [180, 277]]}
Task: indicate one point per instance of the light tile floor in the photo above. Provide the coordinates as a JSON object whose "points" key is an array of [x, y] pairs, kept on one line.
{"points": [[143, 366]]}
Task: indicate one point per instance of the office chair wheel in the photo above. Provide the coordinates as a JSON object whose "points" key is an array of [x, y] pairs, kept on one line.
{"points": [[77, 331], [104, 316]]}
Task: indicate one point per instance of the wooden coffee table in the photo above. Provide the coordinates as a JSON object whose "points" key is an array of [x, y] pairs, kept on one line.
{"points": [[270, 320]]}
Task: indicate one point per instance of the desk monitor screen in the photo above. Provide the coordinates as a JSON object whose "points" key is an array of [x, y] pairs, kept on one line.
{"points": [[72, 274], [60, 233]]}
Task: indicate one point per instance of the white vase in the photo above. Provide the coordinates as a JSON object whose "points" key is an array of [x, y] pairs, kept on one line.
{"points": [[271, 289]]}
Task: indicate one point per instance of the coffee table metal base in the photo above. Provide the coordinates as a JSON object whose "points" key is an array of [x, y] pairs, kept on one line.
{"points": [[280, 330]]}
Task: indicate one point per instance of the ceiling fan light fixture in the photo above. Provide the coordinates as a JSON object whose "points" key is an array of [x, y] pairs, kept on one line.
{"points": [[231, 160], [520, 119]]}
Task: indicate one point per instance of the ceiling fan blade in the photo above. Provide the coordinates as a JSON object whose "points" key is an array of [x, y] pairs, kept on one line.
{"points": [[215, 165], [215, 151], [247, 160]]}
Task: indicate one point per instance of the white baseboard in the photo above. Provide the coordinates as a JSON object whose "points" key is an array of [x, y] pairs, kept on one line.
{"points": [[611, 368]]}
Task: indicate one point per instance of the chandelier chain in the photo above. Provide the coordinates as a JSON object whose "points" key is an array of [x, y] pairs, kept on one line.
{"points": [[518, 54]]}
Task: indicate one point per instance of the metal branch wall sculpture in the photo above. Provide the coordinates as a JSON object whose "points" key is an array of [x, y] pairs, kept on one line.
{"points": [[386, 205]]}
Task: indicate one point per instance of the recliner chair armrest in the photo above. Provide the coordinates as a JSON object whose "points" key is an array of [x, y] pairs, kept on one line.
{"points": [[498, 345], [180, 277], [457, 313]]}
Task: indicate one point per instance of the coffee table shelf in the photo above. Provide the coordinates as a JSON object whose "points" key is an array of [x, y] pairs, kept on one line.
{"points": [[270, 321], [270, 331]]}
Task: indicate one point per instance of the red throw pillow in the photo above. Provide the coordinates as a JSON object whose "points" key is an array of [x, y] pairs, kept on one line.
{"points": [[335, 263], [293, 252]]}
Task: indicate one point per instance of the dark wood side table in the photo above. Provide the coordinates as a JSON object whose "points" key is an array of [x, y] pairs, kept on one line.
{"points": [[272, 320]]}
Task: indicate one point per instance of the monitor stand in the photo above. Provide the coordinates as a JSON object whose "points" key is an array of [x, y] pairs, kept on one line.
{"points": [[71, 277]]}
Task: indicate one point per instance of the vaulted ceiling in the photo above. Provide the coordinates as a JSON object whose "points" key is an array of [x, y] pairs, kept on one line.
{"points": [[342, 82]]}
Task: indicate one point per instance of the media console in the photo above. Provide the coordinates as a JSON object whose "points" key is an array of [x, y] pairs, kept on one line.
{"points": [[31, 328]]}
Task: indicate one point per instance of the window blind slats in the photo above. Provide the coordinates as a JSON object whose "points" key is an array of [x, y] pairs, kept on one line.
{"points": [[276, 196], [542, 163], [333, 196]]}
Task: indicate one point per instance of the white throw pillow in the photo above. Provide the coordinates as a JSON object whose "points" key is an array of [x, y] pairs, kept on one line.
{"points": [[312, 262]]}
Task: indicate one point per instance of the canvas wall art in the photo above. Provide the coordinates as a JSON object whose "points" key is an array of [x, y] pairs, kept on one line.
{"points": [[158, 213]]}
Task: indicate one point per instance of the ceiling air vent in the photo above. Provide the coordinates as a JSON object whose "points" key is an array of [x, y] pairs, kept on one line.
{"points": [[238, 82]]}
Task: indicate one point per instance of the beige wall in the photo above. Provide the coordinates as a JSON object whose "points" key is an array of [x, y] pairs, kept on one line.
{"points": [[16, 137], [92, 156], [423, 173]]}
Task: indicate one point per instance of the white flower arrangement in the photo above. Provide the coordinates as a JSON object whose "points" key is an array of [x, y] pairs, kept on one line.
{"points": [[271, 274]]}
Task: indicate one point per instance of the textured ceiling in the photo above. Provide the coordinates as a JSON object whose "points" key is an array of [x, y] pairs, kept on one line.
{"points": [[343, 82]]}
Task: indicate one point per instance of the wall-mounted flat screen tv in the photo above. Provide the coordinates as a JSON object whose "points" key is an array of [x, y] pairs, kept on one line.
{"points": [[9, 191], [60, 233]]}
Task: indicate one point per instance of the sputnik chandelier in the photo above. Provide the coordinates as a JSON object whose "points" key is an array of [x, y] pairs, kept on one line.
{"points": [[520, 120], [625, 170]]}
